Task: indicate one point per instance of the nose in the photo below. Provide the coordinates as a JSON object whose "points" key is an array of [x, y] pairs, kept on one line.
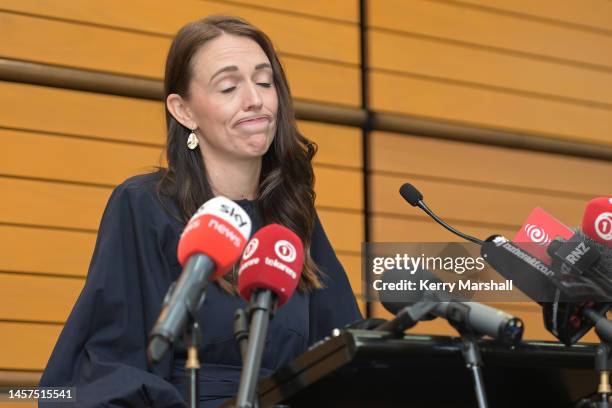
{"points": [[252, 98]]}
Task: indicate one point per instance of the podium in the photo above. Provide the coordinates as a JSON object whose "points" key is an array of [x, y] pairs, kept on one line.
{"points": [[359, 368]]}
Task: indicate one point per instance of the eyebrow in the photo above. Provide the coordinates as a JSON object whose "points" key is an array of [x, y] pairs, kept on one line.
{"points": [[232, 68]]}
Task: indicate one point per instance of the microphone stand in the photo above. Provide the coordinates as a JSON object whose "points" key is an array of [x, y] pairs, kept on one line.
{"points": [[471, 353], [473, 360], [192, 364], [263, 302], [603, 360], [241, 332], [408, 317]]}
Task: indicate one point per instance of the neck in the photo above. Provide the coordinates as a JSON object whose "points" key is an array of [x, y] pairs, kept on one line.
{"points": [[233, 178]]}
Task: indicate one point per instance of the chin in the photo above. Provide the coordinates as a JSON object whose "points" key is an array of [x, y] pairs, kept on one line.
{"points": [[259, 147]]}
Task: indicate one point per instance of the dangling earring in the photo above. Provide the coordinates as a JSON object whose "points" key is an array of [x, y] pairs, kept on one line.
{"points": [[192, 140]]}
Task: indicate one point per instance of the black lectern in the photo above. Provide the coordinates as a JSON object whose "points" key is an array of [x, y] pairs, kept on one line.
{"points": [[359, 368]]}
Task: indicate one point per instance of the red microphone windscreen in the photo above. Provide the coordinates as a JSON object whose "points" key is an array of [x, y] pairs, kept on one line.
{"points": [[273, 259], [219, 230], [597, 220], [538, 230]]}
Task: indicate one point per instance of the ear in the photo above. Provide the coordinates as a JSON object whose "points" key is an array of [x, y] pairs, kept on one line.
{"points": [[179, 109]]}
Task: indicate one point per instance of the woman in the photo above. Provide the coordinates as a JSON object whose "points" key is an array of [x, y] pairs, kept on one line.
{"points": [[231, 132]]}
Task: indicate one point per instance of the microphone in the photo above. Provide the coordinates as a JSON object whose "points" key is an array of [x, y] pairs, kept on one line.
{"points": [[597, 229], [582, 256], [269, 273], [537, 232], [538, 264], [466, 317], [597, 221], [208, 247], [415, 198]]}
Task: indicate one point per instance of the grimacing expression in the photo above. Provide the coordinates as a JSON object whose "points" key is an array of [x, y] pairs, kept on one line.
{"points": [[232, 98]]}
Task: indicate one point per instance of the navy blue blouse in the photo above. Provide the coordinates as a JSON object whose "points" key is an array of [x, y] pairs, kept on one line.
{"points": [[101, 350]]}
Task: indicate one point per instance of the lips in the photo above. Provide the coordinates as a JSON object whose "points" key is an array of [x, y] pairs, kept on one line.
{"points": [[253, 120]]}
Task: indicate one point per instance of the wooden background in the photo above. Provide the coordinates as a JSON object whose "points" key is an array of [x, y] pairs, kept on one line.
{"points": [[538, 68]]}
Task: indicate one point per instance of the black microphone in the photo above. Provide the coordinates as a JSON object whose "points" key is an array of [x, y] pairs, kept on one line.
{"points": [[415, 198], [583, 256], [538, 280], [466, 317], [563, 297]]}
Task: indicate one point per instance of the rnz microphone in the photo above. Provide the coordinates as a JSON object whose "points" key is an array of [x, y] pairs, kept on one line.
{"points": [[269, 273], [210, 244]]}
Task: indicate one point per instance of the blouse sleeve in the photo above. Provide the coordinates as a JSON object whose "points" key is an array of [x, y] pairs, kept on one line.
{"points": [[333, 306], [101, 350]]}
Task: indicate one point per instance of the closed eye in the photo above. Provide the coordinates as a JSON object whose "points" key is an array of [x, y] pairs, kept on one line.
{"points": [[228, 90], [264, 84]]}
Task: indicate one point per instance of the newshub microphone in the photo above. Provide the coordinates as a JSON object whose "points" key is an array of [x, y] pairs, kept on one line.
{"points": [[597, 221], [597, 229], [210, 245], [269, 273]]}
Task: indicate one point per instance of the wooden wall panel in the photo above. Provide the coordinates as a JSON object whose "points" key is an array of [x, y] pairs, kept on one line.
{"points": [[46, 251], [339, 188], [338, 145], [413, 227], [586, 14], [73, 159], [51, 204], [535, 76], [30, 345], [454, 22], [473, 203], [19, 404], [316, 74], [486, 108], [344, 230], [344, 10], [37, 298], [505, 72], [291, 33], [82, 46], [78, 113], [408, 156], [322, 81]]}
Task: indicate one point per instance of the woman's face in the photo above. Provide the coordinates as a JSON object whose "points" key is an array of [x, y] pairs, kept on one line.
{"points": [[232, 98]]}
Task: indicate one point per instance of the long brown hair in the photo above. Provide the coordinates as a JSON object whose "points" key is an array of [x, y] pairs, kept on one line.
{"points": [[286, 194]]}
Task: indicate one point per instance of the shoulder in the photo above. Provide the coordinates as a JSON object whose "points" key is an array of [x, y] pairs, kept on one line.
{"points": [[140, 184], [137, 195]]}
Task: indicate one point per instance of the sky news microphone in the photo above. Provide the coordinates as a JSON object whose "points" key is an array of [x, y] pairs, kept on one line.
{"points": [[210, 245], [269, 273], [467, 317]]}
